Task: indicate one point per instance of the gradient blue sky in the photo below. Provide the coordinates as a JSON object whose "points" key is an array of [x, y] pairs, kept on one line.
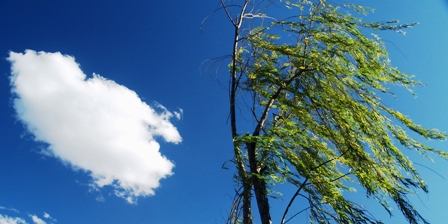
{"points": [[156, 49]]}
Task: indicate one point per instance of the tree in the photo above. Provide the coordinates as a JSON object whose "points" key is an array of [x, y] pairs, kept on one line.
{"points": [[314, 81]]}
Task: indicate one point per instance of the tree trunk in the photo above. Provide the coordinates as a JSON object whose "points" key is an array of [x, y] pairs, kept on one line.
{"points": [[247, 213], [259, 186]]}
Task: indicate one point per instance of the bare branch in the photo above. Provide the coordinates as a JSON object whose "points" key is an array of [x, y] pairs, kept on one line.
{"points": [[292, 200], [228, 13]]}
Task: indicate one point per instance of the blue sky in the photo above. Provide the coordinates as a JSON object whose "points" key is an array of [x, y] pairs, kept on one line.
{"points": [[155, 50]]}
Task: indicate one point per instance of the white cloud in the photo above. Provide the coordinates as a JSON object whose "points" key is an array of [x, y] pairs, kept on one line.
{"points": [[9, 220], [94, 124], [100, 198], [178, 115], [10, 209], [37, 220], [48, 216]]}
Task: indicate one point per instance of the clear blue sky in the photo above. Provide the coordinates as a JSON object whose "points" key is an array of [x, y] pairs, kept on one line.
{"points": [[156, 49]]}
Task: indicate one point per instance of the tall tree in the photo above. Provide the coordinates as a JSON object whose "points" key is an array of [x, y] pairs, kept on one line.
{"points": [[315, 81]]}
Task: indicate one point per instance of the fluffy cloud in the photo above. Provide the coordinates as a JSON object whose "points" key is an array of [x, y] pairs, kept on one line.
{"points": [[9, 220], [37, 220], [93, 124]]}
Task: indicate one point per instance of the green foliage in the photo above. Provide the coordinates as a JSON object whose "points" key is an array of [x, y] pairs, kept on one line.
{"points": [[332, 127]]}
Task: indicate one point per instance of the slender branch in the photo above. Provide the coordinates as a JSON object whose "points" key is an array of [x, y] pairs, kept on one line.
{"points": [[227, 12], [312, 205], [235, 210], [297, 214], [292, 200]]}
